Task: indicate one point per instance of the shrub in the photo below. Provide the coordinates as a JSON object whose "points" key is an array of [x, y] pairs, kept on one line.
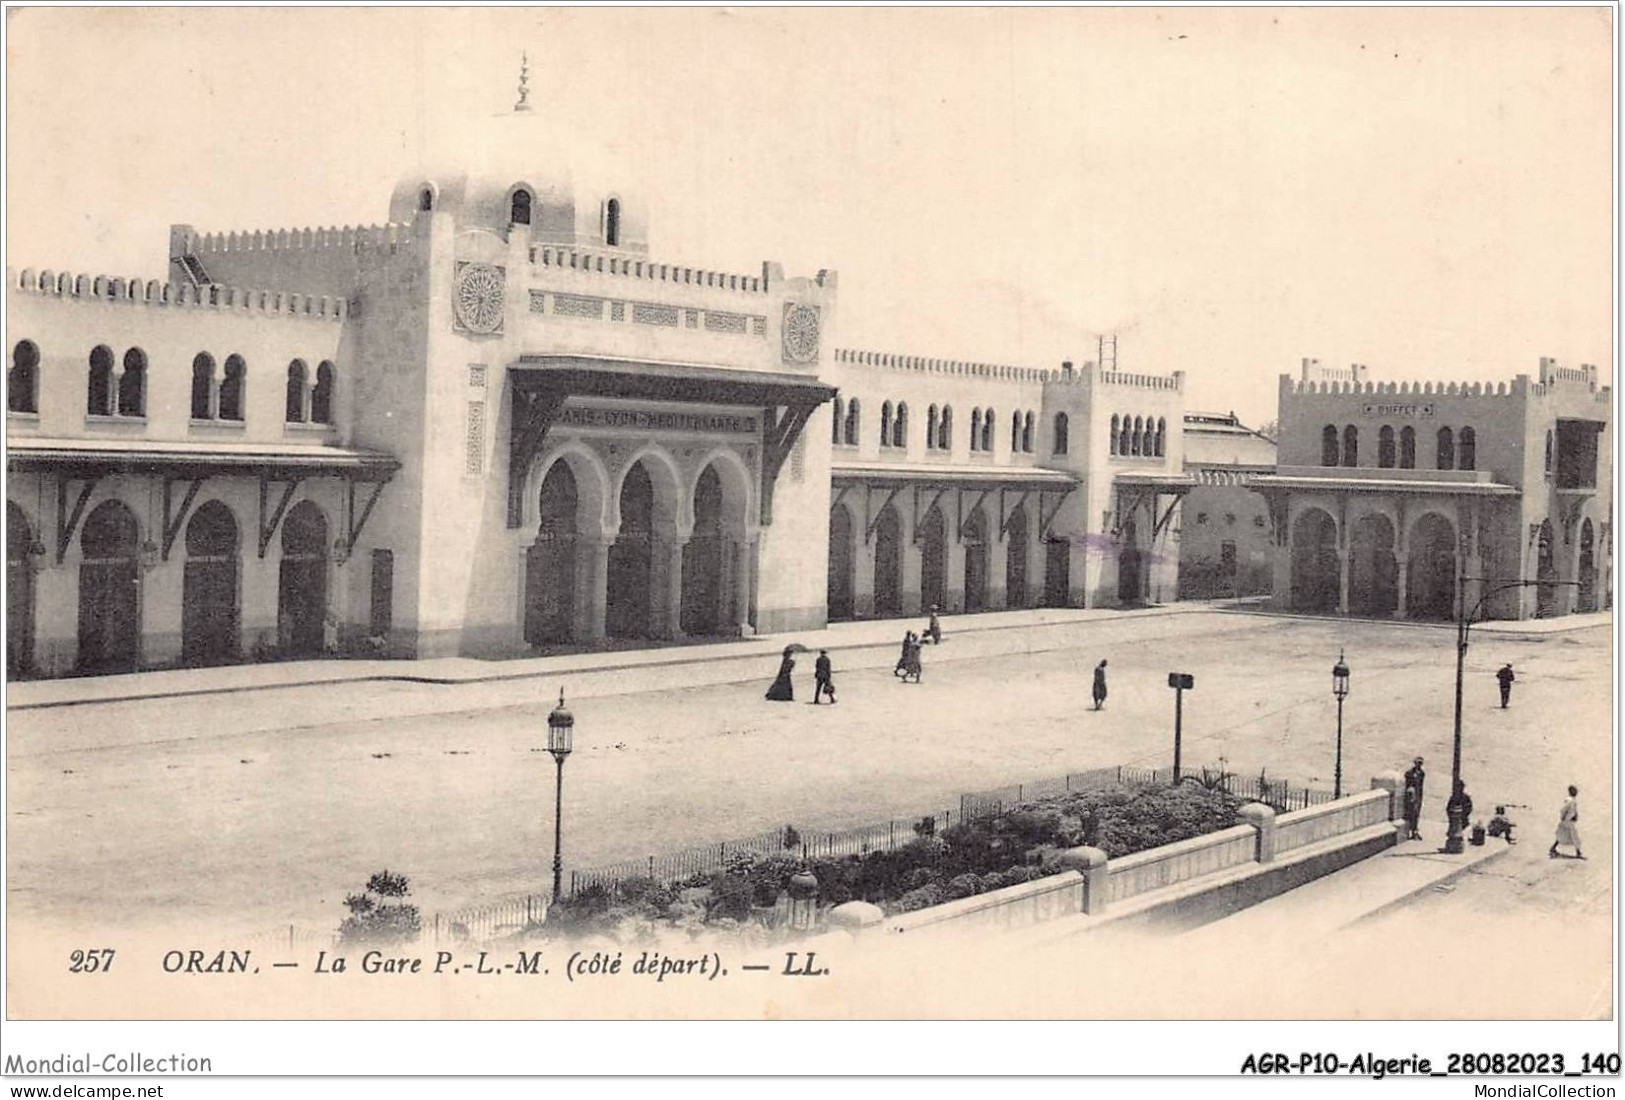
{"points": [[374, 920]]}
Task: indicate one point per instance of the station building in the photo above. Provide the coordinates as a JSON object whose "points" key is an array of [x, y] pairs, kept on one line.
{"points": [[497, 424], [1401, 498]]}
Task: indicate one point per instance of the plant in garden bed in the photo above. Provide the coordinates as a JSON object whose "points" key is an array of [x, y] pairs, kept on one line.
{"points": [[374, 920], [968, 859]]}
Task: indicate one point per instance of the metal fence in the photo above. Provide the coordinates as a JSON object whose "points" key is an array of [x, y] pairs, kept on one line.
{"points": [[486, 922], [690, 863]]}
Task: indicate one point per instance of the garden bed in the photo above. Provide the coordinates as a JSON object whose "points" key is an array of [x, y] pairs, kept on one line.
{"points": [[1013, 846]]}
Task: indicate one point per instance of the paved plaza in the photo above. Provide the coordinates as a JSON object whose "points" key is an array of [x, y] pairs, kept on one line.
{"points": [[265, 807]]}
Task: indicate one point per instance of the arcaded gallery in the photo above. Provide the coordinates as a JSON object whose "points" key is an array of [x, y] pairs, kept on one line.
{"points": [[497, 425]]}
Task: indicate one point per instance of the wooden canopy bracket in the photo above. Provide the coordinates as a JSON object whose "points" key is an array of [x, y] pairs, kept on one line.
{"points": [[173, 520], [67, 523], [270, 523], [1006, 515], [962, 512], [355, 524], [1168, 514], [780, 430], [1045, 522], [872, 518], [840, 495], [919, 515]]}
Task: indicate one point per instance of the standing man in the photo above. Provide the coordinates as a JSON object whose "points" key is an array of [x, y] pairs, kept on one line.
{"points": [[933, 628], [1100, 685], [823, 678], [1568, 826], [1506, 678], [1413, 800]]}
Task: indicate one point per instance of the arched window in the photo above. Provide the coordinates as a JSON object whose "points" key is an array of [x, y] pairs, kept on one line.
{"points": [[22, 381], [975, 429], [854, 422], [520, 213], [1162, 436], [835, 424], [132, 387], [1468, 450], [1407, 448], [612, 223], [1015, 430], [885, 424], [1112, 442], [99, 393], [1447, 450], [296, 392], [1136, 435], [231, 388], [987, 430], [426, 199], [1125, 438], [1385, 447], [931, 428], [321, 397], [945, 429], [1351, 446], [1548, 452], [1027, 432], [1328, 445], [1062, 431], [899, 426], [203, 386]]}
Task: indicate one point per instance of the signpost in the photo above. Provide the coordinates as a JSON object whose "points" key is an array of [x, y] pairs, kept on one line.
{"points": [[1181, 682]]}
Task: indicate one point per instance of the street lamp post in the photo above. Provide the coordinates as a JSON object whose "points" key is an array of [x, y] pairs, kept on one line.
{"points": [[1340, 688], [1464, 622], [560, 737]]}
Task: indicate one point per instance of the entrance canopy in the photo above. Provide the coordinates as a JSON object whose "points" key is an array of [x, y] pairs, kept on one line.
{"points": [[877, 484], [87, 461], [542, 383]]}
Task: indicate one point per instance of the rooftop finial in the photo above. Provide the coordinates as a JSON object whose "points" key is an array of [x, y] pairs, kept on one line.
{"points": [[524, 83]]}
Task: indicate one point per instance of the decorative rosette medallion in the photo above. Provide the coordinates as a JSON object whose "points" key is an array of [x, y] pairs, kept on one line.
{"points": [[800, 333], [479, 297]]}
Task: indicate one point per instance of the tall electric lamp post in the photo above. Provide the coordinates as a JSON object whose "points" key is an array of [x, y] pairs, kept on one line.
{"points": [[560, 739], [1340, 688]]}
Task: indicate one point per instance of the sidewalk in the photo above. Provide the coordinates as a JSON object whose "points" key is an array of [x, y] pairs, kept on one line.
{"points": [[1320, 908], [849, 639], [846, 638]]}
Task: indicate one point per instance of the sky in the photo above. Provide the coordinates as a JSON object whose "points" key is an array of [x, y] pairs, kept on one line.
{"points": [[1426, 191]]}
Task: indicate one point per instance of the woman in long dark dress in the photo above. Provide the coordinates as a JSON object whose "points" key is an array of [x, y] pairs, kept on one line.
{"points": [[783, 691], [1099, 690]]}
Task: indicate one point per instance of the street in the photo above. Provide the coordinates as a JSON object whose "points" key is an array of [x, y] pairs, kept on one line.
{"points": [[268, 807]]}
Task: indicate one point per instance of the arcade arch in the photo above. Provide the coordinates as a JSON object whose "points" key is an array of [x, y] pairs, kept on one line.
{"points": [[1430, 570], [1315, 571], [109, 590], [209, 602]]}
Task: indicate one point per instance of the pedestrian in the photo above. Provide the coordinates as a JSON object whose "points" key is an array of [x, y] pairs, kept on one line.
{"points": [[933, 628], [1568, 826], [1413, 807], [782, 689], [1413, 812], [330, 634], [1506, 677], [901, 669], [1459, 810], [823, 678], [911, 659], [1501, 825], [1100, 685]]}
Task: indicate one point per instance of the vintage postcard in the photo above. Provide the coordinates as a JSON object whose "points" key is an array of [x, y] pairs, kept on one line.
{"points": [[605, 514]]}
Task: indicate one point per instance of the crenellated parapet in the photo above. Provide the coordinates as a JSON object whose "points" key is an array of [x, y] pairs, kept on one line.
{"points": [[151, 292], [893, 361], [562, 258], [1174, 382], [361, 238], [1314, 381]]}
